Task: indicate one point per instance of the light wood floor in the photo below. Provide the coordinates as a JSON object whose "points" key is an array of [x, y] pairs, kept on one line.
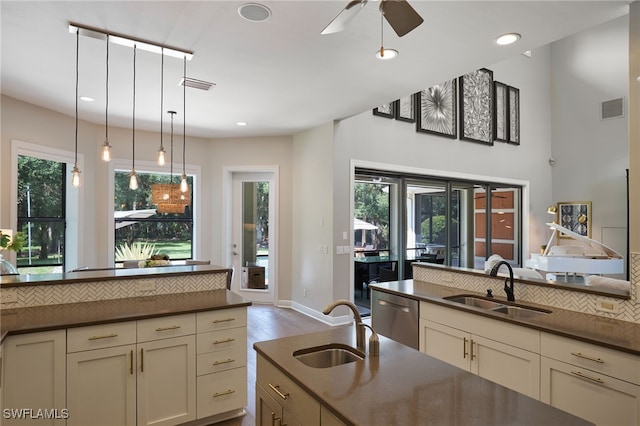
{"points": [[265, 322]]}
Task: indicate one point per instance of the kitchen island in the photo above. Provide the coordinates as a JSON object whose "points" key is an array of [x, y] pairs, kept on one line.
{"points": [[400, 386]]}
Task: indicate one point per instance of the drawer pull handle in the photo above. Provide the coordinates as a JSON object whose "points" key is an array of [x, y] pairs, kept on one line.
{"points": [[131, 363], [217, 342], [274, 418], [228, 392], [276, 390], [173, 327], [223, 320], [106, 336], [590, 358], [584, 376], [227, 361], [141, 360], [472, 355]]}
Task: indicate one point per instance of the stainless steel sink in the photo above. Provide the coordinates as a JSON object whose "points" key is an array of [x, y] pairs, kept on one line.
{"points": [[520, 312], [330, 355], [514, 311], [478, 302]]}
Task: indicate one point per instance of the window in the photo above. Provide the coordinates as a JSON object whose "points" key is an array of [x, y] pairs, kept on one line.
{"points": [[137, 220], [41, 214]]}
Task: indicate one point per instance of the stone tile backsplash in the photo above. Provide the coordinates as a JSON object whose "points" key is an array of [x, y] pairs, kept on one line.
{"points": [[629, 310]]}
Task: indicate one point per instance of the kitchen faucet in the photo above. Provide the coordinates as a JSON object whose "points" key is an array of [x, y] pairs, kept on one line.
{"points": [[359, 324], [508, 282]]}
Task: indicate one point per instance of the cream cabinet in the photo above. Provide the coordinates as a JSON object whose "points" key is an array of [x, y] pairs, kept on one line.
{"points": [[504, 353], [33, 379], [221, 344], [596, 383], [288, 401], [132, 372]]}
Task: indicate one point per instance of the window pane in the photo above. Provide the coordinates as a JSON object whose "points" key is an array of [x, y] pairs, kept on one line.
{"points": [[139, 219], [371, 206]]}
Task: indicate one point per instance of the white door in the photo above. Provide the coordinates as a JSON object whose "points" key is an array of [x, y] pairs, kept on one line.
{"points": [[252, 248]]}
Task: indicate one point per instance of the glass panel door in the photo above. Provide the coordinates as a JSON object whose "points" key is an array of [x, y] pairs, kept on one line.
{"points": [[255, 235]]}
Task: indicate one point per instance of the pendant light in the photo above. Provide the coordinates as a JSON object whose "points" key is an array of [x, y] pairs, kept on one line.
{"points": [[106, 148], [75, 178], [184, 187], [384, 54], [161, 151], [133, 179]]}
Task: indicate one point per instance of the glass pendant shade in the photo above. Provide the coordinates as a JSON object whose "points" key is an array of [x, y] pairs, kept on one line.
{"points": [[133, 180], [162, 157], [106, 152], [75, 177], [184, 187]]}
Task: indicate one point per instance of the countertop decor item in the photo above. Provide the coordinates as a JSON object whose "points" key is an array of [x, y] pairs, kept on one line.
{"points": [[13, 242]]}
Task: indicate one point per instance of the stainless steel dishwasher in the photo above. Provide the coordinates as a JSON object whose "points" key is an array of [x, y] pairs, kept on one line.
{"points": [[395, 317]]}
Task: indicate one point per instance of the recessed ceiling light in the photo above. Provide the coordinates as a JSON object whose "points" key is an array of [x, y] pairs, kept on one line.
{"points": [[241, 123], [254, 12], [386, 54], [87, 98], [508, 38]]}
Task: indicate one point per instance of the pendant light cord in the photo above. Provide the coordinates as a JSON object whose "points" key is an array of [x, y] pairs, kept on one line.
{"points": [[106, 107], [133, 155], [77, 74], [171, 168], [184, 115], [161, 98]]}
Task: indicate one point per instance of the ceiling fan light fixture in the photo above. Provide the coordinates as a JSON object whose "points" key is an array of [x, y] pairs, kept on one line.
{"points": [[508, 38], [385, 54]]}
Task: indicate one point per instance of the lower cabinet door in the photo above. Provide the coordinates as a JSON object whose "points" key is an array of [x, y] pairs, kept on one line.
{"points": [[601, 399], [448, 344], [166, 381], [268, 411], [101, 387]]}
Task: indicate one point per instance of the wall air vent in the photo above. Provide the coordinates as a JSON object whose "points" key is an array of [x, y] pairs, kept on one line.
{"points": [[612, 109], [196, 84]]}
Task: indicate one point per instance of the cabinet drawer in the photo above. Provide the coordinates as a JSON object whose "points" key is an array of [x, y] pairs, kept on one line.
{"points": [[593, 357], [221, 319], [288, 394], [222, 340], [101, 336], [214, 362], [221, 392], [165, 327]]}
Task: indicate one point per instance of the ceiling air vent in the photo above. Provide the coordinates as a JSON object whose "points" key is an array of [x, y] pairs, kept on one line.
{"points": [[612, 109], [196, 84]]}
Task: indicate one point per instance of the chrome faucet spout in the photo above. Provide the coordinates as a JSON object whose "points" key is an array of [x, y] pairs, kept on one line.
{"points": [[360, 343], [508, 282]]}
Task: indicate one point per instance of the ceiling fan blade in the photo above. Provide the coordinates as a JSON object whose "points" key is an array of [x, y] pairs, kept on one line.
{"points": [[345, 16], [400, 15]]}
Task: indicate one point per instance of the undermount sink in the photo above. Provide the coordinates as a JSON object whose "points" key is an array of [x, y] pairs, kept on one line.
{"points": [[330, 355], [514, 311]]}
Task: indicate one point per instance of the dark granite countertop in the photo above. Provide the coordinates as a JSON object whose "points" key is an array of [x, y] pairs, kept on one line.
{"points": [[405, 387], [52, 317], [106, 274], [620, 335]]}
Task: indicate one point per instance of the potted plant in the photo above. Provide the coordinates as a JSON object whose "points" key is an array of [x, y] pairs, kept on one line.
{"points": [[7, 242]]}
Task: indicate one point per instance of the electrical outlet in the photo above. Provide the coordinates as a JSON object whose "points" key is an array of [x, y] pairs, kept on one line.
{"points": [[446, 277], [8, 295], [339, 250], [607, 306], [146, 285], [305, 292]]}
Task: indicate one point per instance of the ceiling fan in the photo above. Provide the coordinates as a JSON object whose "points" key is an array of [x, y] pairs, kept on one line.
{"points": [[399, 14]]}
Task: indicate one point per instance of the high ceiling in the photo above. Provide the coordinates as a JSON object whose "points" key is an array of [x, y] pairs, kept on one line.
{"points": [[280, 76]]}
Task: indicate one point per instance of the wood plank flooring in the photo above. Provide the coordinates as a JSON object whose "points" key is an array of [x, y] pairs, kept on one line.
{"points": [[266, 322]]}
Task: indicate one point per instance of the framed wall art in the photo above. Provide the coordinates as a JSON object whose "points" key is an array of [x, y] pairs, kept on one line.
{"points": [[437, 110], [406, 109], [500, 112], [476, 106], [514, 115], [576, 217], [386, 110]]}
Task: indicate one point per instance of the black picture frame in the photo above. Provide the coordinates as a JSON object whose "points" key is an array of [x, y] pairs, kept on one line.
{"points": [[436, 110], [514, 116], [501, 112], [387, 110], [406, 108], [476, 106]]}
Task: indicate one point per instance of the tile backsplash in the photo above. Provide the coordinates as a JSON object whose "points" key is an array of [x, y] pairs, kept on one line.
{"points": [[628, 310], [54, 294]]}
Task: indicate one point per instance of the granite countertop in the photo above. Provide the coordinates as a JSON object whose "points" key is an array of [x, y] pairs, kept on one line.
{"points": [[620, 335], [405, 387], [53, 317], [106, 274]]}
